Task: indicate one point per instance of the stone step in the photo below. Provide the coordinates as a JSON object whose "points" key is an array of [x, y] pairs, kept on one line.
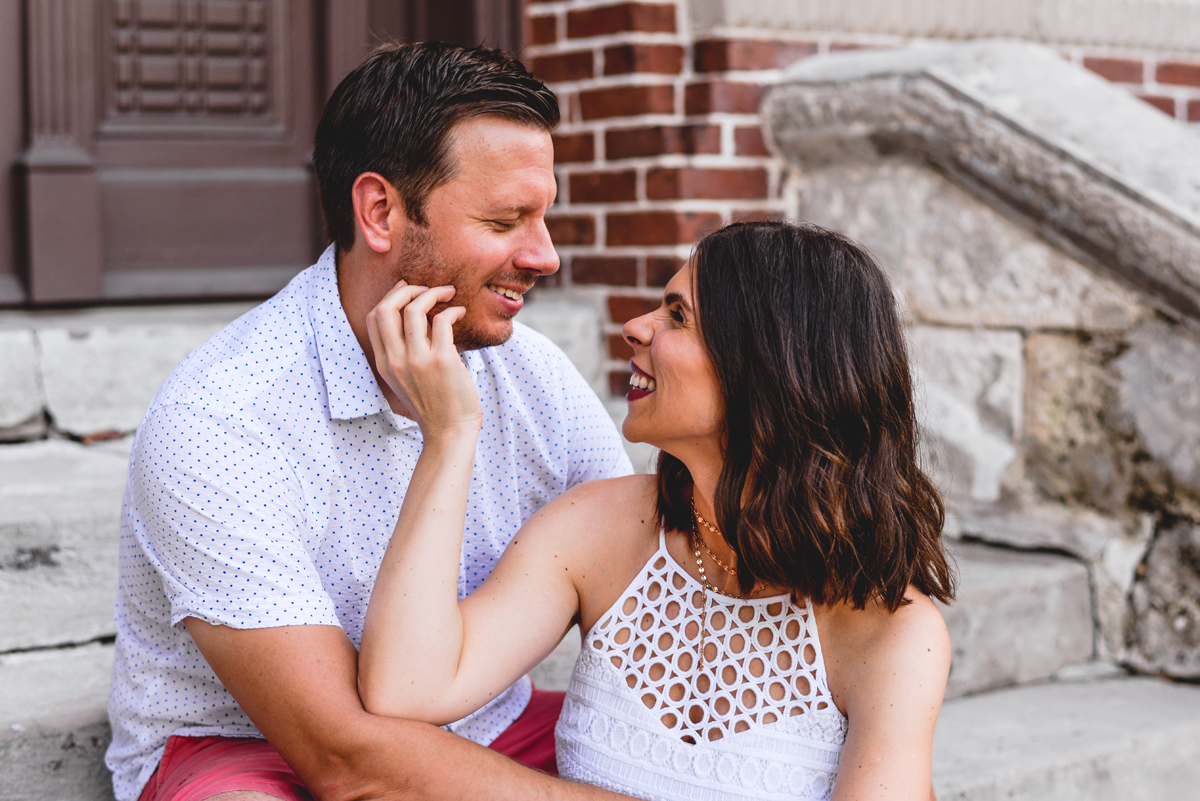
{"points": [[1133, 739], [59, 508], [1124, 739], [1019, 617], [54, 724], [95, 370]]}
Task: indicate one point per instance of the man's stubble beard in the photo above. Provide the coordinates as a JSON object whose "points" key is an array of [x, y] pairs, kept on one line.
{"points": [[422, 265]]}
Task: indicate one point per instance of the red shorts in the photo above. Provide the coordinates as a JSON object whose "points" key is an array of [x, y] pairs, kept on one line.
{"points": [[196, 768]]}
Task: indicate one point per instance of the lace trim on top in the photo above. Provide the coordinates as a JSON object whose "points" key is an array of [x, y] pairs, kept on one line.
{"points": [[762, 659]]}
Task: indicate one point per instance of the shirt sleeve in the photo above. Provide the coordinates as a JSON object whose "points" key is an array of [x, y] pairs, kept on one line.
{"points": [[220, 514], [597, 449]]}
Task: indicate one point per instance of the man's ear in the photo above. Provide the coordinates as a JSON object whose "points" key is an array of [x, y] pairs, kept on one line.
{"points": [[378, 209]]}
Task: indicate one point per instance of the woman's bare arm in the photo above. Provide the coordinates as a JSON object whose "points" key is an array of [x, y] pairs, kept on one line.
{"points": [[297, 685], [423, 657], [893, 668]]}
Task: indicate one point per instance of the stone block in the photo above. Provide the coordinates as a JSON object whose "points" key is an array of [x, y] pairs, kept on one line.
{"points": [[1082, 532], [984, 367], [1116, 740], [1019, 617], [573, 325], [1015, 124], [954, 259], [969, 398], [1113, 577], [102, 379], [1160, 392], [21, 400], [60, 505], [1166, 601], [54, 724], [1078, 451], [1110, 547]]}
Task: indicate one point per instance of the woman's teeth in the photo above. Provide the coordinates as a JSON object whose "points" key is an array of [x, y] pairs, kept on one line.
{"points": [[638, 381], [508, 293]]}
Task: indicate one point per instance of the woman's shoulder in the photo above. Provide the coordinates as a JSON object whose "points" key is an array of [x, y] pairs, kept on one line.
{"points": [[887, 634], [622, 508], [605, 531], [876, 651], [613, 501]]}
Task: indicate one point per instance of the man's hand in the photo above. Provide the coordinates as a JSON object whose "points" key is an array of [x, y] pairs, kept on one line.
{"points": [[297, 684], [418, 360]]}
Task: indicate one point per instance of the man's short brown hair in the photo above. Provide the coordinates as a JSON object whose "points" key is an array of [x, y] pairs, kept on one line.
{"points": [[393, 115]]}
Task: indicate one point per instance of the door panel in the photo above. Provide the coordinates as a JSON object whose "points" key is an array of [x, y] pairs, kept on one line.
{"points": [[206, 117], [170, 140]]}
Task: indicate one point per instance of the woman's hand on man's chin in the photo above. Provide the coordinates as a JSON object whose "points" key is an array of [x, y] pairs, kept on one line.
{"points": [[416, 356]]}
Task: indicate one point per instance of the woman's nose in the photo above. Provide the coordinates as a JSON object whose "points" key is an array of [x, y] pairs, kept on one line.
{"points": [[638, 331]]}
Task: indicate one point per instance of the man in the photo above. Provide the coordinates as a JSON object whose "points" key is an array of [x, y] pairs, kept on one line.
{"points": [[268, 473]]}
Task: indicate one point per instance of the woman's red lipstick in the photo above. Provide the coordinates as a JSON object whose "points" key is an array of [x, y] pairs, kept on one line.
{"points": [[641, 383]]}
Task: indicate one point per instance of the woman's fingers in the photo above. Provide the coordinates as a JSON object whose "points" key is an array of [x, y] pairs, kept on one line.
{"points": [[415, 354], [387, 315], [457, 399], [442, 335], [416, 316]]}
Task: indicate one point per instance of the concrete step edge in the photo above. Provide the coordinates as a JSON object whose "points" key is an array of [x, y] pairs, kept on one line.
{"points": [[54, 724], [1130, 738]]}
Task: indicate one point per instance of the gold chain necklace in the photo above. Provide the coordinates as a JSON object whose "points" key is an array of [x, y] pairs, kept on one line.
{"points": [[703, 601], [716, 531], [697, 543]]}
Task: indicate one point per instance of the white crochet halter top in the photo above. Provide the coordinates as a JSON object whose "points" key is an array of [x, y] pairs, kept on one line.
{"points": [[757, 721]]}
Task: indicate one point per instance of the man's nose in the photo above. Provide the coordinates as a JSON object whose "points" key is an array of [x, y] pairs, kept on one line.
{"points": [[538, 254]]}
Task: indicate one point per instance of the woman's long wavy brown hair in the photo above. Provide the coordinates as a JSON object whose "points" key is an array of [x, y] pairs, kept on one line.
{"points": [[820, 491]]}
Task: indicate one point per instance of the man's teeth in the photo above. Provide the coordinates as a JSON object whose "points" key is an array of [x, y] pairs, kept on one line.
{"points": [[638, 381], [508, 293]]}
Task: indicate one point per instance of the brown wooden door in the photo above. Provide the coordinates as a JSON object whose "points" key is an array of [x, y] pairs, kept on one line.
{"points": [[169, 140]]}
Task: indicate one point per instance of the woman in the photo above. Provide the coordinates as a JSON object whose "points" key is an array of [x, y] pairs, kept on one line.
{"points": [[758, 617]]}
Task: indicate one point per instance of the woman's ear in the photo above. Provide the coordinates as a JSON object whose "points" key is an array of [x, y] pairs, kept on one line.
{"points": [[377, 210]]}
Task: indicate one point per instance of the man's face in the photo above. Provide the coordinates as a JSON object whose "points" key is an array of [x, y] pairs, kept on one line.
{"points": [[486, 234]]}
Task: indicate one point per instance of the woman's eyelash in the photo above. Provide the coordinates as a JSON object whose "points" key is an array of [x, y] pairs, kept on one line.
{"points": [[676, 315]]}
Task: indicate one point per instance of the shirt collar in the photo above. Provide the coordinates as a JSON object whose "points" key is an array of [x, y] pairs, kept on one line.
{"points": [[474, 361], [350, 386]]}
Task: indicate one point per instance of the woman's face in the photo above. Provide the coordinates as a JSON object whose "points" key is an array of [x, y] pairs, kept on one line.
{"points": [[674, 399]]}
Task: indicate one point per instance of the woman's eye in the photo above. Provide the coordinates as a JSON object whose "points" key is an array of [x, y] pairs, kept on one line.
{"points": [[501, 224], [676, 315]]}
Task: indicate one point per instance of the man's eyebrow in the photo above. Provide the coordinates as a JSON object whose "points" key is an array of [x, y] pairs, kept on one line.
{"points": [[510, 208]]}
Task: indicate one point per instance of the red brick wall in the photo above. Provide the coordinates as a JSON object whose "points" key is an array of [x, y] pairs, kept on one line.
{"points": [[1170, 85], [660, 139]]}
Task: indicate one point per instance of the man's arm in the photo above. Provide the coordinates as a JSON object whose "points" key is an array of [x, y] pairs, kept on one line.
{"points": [[297, 684]]}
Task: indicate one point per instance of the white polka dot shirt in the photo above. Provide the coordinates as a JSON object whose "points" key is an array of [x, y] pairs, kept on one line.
{"points": [[265, 482]]}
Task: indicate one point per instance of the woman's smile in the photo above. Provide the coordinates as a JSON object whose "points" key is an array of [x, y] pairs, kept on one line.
{"points": [[671, 364], [641, 383]]}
